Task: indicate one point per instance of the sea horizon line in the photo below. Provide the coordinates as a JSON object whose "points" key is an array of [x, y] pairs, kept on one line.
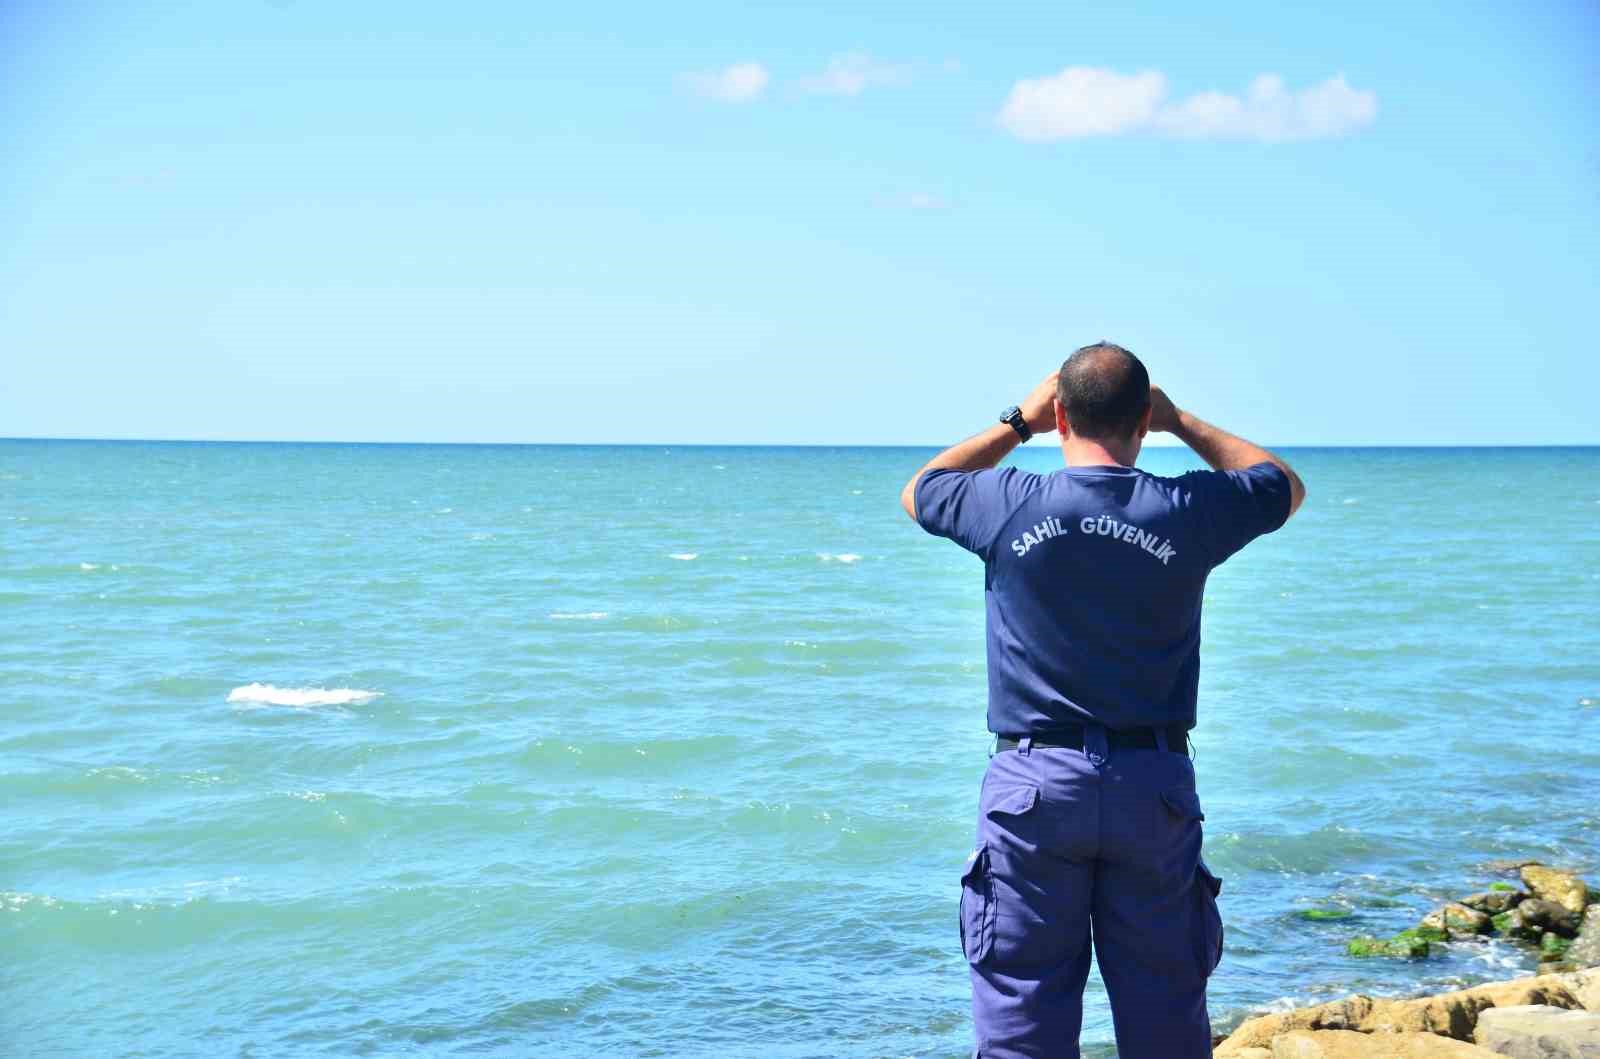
{"points": [[1328, 446]]}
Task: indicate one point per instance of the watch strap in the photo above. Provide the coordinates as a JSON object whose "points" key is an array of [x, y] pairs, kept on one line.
{"points": [[1013, 417]]}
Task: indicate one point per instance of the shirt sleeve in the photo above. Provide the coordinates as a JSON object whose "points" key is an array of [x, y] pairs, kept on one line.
{"points": [[1244, 504], [970, 507]]}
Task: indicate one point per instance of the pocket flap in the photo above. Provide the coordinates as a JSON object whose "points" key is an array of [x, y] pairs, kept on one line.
{"points": [[1185, 802], [1014, 801], [975, 864]]}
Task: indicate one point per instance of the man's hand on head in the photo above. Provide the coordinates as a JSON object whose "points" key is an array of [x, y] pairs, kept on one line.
{"points": [[1163, 413], [1039, 407]]}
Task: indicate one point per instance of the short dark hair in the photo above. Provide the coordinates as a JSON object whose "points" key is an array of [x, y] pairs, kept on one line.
{"points": [[1104, 390]]}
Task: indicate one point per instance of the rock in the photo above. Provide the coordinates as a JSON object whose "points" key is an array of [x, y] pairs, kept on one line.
{"points": [[1258, 1032], [1539, 1032], [1584, 987], [1508, 865], [1554, 949], [1585, 952], [1493, 902], [1343, 1044], [1252, 1053], [1456, 1014], [1408, 944], [1457, 918], [1561, 887], [1535, 917]]}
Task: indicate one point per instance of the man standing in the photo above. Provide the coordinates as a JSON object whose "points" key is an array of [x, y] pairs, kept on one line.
{"points": [[1088, 822]]}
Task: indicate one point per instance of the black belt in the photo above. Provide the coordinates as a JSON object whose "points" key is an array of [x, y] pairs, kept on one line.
{"points": [[1071, 738]]}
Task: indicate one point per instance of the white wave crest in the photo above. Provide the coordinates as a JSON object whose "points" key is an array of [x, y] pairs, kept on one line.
{"points": [[591, 615], [270, 695], [684, 557], [842, 557]]}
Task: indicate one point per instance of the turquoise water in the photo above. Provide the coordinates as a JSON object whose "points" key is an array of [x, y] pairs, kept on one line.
{"points": [[392, 750]]}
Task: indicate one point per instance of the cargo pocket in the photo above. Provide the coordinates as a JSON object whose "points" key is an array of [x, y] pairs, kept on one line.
{"points": [[977, 908], [1184, 803], [1207, 887]]}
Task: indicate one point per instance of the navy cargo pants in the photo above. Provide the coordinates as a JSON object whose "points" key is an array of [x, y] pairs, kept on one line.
{"points": [[1100, 843]]}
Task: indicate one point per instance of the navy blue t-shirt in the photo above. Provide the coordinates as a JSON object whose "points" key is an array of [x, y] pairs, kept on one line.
{"points": [[1092, 582]]}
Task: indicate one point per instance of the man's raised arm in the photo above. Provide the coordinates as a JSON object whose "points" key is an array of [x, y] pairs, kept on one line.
{"points": [[988, 448], [1222, 450]]}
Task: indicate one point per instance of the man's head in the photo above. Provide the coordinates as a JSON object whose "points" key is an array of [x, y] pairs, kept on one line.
{"points": [[1104, 392]]}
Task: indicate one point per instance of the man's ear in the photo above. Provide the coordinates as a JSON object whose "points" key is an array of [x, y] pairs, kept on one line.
{"points": [[1144, 420], [1062, 426]]}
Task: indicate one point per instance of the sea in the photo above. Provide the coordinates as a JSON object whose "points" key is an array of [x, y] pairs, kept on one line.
{"points": [[398, 750]]}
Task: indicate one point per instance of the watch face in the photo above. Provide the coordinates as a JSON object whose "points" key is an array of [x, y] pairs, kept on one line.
{"points": [[1011, 413]]}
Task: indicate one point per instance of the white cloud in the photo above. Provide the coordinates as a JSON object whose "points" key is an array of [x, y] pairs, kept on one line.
{"points": [[738, 83], [1271, 113], [1081, 101], [848, 75], [1087, 101]]}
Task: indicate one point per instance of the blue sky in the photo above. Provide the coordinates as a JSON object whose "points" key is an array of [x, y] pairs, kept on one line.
{"points": [[810, 223]]}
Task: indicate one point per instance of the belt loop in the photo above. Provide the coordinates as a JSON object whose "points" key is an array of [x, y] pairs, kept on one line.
{"points": [[1161, 739], [1024, 745]]}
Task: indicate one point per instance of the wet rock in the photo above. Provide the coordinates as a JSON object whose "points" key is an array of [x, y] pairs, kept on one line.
{"points": [[1554, 948], [1539, 1032], [1561, 887], [1536, 917], [1493, 902], [1585, 952], [1343, 1044], [1457, 918], [1456, 1014], [1508, 865], [1319, 915], [1408, 944]]}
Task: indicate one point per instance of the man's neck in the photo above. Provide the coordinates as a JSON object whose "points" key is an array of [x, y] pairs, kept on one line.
{"points": [[1090, 452]]}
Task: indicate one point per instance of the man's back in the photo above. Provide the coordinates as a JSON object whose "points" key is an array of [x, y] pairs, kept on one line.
{"points": [[1093, 582]]}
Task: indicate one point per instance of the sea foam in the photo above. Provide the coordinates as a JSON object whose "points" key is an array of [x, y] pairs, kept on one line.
{"points": [[842, 557], [684, 557], [270, 695]]}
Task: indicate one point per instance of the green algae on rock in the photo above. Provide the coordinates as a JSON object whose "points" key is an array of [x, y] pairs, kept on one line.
{"points": [[1408, 944], [1317, 915]]}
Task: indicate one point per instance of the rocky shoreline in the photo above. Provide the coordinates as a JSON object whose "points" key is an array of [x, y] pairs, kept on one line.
{"points": [[1554, 1015]]}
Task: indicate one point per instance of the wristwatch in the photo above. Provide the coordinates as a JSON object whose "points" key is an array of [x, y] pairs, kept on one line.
{"points": [[1013, 415]]}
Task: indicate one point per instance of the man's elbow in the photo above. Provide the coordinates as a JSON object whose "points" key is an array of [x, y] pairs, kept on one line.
{"points": [[908, 497], [1297, 492]]}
